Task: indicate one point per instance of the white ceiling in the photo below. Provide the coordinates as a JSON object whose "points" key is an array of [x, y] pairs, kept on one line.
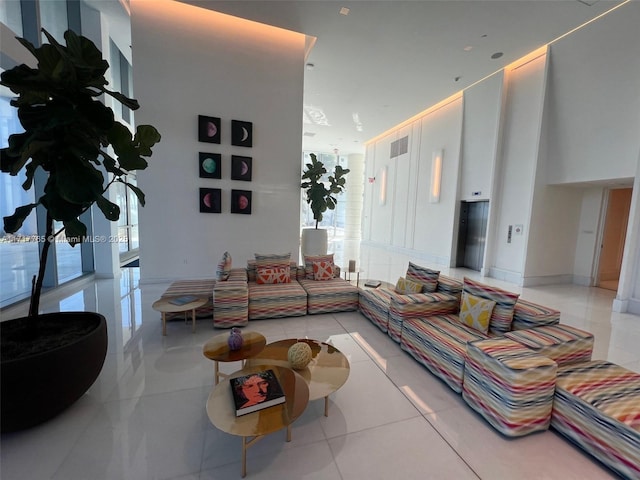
{"points": [[388, 60]]}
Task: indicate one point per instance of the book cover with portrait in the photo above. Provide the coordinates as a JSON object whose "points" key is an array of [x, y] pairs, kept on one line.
{"points": [[256, 391]]}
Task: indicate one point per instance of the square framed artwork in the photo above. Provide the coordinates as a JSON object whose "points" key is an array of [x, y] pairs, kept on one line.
{"points": [[241, 168], [241, 201], [208, 129], [210, 200], [241, 133], [210, 165]]}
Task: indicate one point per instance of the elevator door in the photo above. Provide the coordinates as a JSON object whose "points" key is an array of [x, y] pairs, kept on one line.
{"points": [[472, 234]]}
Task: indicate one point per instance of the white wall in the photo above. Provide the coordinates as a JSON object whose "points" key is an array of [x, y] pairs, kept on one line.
{"points": [[529, 135], [595, 100], [189, 62]]}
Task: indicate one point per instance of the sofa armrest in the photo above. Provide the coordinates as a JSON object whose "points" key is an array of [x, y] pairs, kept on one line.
{"points": [[423, 305]]}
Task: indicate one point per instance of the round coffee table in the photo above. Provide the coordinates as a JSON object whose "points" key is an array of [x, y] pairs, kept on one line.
{"points": [[326, 373], [253, 426], [217, 349], [165, 306]]}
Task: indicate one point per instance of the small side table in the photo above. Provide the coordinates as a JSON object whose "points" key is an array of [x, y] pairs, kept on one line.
{"points": [[165, 306], [217, 349]]}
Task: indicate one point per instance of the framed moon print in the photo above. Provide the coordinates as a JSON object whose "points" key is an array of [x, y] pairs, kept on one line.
{"points": [[241, 168], [210, 165], [208, 129], [241, 201], [210, 200], [241, 133]]}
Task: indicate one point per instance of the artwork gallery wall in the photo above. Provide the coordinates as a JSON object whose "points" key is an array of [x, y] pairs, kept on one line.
{"points": [[541, 141], [192, 62]]}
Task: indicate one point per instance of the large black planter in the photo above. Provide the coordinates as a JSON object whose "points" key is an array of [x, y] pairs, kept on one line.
{"points": [[42, 385]]}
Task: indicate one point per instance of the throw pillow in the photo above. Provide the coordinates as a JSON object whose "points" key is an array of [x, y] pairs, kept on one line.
{"points": [[273, 275], [425, 276], [475, 312], [405, 286], [308, 263], [502, 314], [322, 270], [222, 273]]}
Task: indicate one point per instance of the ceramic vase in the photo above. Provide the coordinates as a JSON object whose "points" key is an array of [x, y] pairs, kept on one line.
{"points": [[235, 339]]}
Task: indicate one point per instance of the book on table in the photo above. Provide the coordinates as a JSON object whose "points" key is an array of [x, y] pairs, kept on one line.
{"points": [[372, 283], [256, 391], [183, 300]]}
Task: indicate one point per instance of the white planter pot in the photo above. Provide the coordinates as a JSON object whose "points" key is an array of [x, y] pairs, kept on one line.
{"points": [[313, 241]]}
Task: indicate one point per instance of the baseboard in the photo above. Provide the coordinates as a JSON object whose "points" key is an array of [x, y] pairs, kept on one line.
{"points": [[633, 306], [583, 281], [547, 280], [505, 276]]}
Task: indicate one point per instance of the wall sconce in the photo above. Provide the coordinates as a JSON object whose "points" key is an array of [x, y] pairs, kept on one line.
{"points": [[436, 176], [383, 186]]}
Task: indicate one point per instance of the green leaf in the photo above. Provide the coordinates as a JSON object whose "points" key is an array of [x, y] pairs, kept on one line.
{"points": [[128, 102], [12, 223], [59, 208], [110, 210], [75, 231], [139, 193], [77, 181]]}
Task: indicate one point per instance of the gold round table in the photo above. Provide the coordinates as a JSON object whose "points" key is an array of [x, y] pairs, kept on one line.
{"points": [[326, 373], [165, 306], [253, 426], [217, 349]]}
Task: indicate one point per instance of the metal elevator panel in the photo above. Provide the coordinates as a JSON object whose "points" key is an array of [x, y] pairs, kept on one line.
{"points": [[472, 234]]}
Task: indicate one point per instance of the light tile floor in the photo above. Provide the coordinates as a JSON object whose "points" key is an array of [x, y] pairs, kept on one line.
{"points": [[145, 416]]}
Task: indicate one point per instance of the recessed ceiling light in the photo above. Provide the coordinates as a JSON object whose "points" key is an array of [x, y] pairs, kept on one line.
{"points": [[496, 55], [310, 66], [468, 48], [344, 11]]}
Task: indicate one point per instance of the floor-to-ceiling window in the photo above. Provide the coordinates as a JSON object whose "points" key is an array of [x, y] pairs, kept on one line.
{"points": [[332, 220], [19, 253]]}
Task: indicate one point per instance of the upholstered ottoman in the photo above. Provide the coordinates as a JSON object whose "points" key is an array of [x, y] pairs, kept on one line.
{"points": [[509, 385], [327, 296], [230, 304], [373, 303], [597, 406], [440, 344], [562, 343]]}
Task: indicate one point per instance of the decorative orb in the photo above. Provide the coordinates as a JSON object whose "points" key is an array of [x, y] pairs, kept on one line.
{"points": [[235, 339], [299, 355]]}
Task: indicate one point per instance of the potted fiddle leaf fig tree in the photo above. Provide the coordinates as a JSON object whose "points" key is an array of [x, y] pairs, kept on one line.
{"points": [[51, 360], [320, 194]]}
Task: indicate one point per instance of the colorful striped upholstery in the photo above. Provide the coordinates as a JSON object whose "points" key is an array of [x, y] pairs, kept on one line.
{"points": [[373, 303], [597, 406], [276, 300], [509, 385], [440, 344], [421, 305], [528, 315], [562, 343], [326, 296], [449, 285], [231, 304], [201, 288], [425, 276], [502, 315]]}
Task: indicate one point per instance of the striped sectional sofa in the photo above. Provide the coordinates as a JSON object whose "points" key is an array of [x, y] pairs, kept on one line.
{"points": [[527, 373]]}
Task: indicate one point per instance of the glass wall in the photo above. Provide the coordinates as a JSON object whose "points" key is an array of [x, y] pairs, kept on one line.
{"points": [[332, 220], [19, 253]]}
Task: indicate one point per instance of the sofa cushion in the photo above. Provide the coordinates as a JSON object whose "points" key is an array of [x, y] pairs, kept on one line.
{"points": [[502, 314], [272, 260], [275, 301], [335, 295], [323, 271], [308, 263], [475, 312], [273, 275], [405, 286], [425, 276]]}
